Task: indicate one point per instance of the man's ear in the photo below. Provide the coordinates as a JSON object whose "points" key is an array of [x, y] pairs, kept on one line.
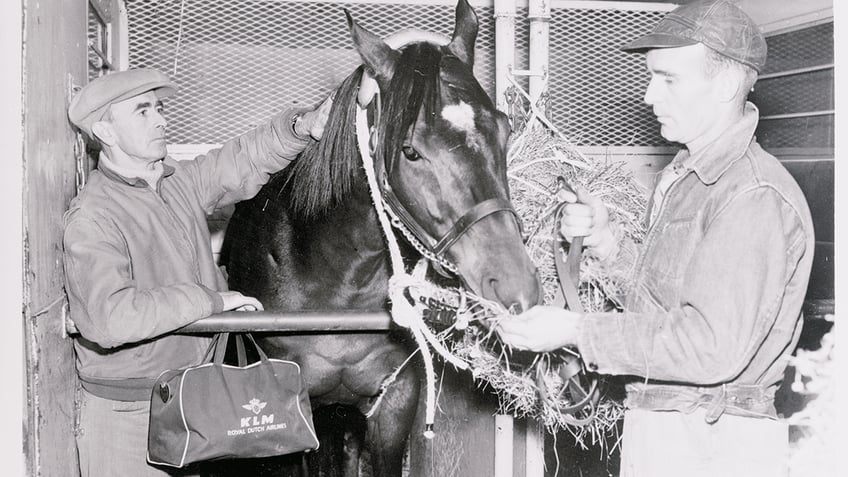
{"points": [[729, 85], [103, 132]]}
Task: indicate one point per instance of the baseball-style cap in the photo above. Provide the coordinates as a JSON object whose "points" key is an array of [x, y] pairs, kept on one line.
{"points": [[91, 103], [720, 25]]}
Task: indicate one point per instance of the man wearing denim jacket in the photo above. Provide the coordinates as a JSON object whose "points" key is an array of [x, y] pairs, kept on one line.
{"points": [[718, 283], [138, 258]]}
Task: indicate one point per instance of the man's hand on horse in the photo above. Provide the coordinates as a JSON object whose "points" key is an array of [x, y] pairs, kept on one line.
{"points": [[235, 301], [541, 328], [585, 215], [312, 123]]}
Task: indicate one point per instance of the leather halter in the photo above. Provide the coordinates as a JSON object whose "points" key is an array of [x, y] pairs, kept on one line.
{"points": [[436, 247], [463, 224]]}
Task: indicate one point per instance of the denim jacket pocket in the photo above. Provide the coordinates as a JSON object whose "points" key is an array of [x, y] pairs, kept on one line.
{"points": [[669, 256]]}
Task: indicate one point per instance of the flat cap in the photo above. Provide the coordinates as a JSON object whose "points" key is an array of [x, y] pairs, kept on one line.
{"points": [[718, 24], [91, 103]]}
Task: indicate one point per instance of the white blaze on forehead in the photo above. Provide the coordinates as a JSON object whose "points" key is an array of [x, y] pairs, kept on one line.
{"points": [[461, 117]]}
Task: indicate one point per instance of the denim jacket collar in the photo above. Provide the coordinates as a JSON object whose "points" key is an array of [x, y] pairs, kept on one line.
{"points": [[717, 157]]}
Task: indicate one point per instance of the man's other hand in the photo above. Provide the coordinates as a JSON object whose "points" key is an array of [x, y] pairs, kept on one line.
{"points": [[234, 300], [541, 328], [312, 123]]}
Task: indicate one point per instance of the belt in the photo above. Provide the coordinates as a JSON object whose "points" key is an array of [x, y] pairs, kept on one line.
{"points": [[747, 400], [119, 389]]}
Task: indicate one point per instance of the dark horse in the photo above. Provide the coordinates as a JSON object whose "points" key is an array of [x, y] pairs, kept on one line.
{"points": [[310, 239]]}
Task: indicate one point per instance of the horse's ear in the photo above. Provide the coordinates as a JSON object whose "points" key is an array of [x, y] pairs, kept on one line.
{"points": [[464, 33], [378, 57]]}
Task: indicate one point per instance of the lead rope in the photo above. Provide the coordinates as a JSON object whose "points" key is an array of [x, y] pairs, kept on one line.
{"points": [[403, 313]]}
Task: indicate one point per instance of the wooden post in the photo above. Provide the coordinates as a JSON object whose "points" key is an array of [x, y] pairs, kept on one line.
{"points": [[503, 445], [55, 59], [534, 451]]}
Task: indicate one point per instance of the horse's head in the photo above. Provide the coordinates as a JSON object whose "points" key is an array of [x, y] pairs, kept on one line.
{"points": [[441, 155]]}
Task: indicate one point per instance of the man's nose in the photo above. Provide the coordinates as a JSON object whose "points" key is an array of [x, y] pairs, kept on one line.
{"points": [[161, 122], [650, 93]]}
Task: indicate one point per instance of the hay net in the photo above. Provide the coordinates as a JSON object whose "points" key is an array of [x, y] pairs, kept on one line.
{"points": [[538, 155]]}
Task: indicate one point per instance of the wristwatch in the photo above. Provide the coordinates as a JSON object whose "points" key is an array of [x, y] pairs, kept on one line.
{"points": [[294, 119]]}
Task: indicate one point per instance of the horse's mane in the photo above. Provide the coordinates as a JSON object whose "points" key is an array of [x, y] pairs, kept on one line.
{"points": [[325, 171]]}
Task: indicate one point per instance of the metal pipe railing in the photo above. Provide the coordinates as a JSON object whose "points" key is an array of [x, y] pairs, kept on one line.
{"points": [[334, 321]]}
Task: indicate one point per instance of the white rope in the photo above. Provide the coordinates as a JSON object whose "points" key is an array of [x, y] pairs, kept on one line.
{"points": [[403, 313], [386, 383]]}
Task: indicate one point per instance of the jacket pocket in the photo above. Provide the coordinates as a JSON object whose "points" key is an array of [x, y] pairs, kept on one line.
{"points": [[669, 257]]}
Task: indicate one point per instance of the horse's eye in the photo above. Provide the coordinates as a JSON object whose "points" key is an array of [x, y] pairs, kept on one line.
{"points": [[410, 153]]}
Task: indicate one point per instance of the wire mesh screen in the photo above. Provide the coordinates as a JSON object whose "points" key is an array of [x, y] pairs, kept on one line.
{"points": [[797, 94], [238, 62], [597, 89], [800, 48]]}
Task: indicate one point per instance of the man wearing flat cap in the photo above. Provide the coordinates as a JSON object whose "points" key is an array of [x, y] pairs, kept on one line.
{"points": [[714, 310], [138, 259]]}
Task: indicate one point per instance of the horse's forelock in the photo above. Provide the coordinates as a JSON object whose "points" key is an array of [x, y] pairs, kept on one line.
{"points": [[415, 85]]}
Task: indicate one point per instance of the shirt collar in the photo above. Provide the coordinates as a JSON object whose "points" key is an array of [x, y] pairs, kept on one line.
{"points": [[130, 177], [718, 156]]}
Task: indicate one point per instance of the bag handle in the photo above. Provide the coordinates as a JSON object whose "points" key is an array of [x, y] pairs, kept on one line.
{"points": [[240, 352], [210, 351], [221, 340], [259, 351], [220, 346]]}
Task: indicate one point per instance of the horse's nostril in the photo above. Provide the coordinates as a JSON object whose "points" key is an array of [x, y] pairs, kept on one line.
{"points": [[513, 301]]}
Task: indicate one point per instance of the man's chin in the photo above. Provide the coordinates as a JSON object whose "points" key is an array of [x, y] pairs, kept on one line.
{"points": [[668, 134]]}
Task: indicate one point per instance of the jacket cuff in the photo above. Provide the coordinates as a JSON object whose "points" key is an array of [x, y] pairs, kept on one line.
{"points": [[283, 126], [215, 299], [602, 343]]}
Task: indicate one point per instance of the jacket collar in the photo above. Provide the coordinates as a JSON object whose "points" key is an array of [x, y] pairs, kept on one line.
{"points": [[113, 172], [718, 156]]}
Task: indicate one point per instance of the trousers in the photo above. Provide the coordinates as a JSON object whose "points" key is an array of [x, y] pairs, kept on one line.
{"points": [[112, 439], [670, 443]]}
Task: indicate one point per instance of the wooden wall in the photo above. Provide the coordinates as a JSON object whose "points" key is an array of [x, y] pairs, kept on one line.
{"points": [[54, 56]]}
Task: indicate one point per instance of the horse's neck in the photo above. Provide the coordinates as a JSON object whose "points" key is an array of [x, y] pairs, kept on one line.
{"points": [[350, 235]]}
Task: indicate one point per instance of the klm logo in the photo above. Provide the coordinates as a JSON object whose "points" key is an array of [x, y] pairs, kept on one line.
{"points": [[256, 406], [258, 422]]}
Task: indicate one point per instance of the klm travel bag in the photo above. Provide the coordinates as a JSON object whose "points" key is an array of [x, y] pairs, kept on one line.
{"points": [[218, 411]]}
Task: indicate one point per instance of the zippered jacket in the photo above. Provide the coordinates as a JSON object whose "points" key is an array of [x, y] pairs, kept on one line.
{"points": [[139, 263]]}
